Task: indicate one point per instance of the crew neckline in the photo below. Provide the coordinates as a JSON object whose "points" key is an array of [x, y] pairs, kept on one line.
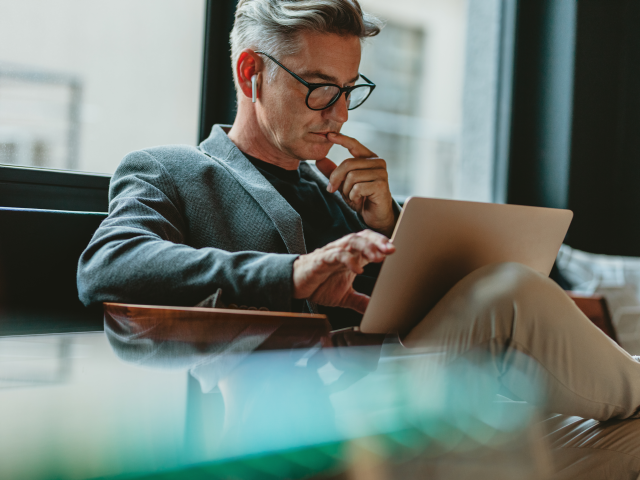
{"points": [[275, 170]]}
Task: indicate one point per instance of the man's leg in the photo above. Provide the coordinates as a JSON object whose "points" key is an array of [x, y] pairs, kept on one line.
{"points": [[533, 334], [588, 449]]}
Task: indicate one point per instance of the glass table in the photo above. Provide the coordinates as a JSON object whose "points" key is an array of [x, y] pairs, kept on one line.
{"points": [[196, 397]]}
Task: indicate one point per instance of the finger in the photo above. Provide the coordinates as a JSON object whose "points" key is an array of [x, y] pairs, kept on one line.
{"points": [[355, 301], [340, 173], [355, 251], [380, 241], [362, 176], [374, 248], [326, 166], [338, 259], [363, 190], [354, 261], [377, 238], [367, 247], [347, 242], [354, 146]]}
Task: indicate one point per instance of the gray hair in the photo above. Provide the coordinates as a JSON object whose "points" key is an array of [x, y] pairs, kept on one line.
{"points": [[272, 26]]}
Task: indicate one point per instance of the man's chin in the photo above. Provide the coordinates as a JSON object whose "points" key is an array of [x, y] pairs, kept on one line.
{"points": [[309, 150], [317, 152]]}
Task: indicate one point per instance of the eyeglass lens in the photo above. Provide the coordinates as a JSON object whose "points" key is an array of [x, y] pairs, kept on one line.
{"points": [[357, 97], [323, 96]]}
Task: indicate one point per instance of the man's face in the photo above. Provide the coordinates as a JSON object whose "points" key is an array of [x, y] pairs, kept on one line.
{"points": [[283, 115]]}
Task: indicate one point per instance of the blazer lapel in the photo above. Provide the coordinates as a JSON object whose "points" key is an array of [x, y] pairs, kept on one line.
{"points": [[285, 218]]}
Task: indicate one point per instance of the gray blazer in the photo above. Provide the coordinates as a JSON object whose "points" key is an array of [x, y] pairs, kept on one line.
{"points": [[185, 221]]}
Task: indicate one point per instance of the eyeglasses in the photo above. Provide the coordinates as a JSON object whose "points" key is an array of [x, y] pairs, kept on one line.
{"points": [[323, 95]]}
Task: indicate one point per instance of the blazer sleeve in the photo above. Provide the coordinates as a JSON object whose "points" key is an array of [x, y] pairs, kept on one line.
{"points": [[138, 254]]}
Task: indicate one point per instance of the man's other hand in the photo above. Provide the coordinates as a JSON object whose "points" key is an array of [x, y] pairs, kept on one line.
{"points": [[326, 275], [363, 182]]}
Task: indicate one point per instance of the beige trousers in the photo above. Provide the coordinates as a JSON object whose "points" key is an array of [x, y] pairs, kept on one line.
{"points": [[536, 339]]}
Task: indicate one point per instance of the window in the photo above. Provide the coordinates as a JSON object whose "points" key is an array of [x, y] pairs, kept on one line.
{"points": [[413, 119], [83, 82], [435, 114]]}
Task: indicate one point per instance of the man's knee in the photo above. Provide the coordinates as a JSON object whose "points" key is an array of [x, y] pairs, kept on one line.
{"points": [[485, 303], [510, 274], [504, 283]]}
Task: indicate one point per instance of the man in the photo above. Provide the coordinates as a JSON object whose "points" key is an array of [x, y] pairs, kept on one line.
{"points": [[245, 213]]}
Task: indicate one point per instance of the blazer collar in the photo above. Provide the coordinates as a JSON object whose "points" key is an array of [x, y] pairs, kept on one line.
{"points": [[285, 218]]}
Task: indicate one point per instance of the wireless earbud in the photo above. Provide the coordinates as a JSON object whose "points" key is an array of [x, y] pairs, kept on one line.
{"points": [[254, 93]]}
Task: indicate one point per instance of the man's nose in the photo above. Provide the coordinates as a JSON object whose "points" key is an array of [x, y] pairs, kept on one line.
{"points": [[338, 112]]}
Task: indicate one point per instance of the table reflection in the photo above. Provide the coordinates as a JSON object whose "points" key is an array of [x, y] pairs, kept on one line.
{"points": [[194, 393], [274, 385]]}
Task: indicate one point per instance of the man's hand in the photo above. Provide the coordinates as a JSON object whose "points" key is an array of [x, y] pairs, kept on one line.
{"points": [[363, 183], [326, 275]]}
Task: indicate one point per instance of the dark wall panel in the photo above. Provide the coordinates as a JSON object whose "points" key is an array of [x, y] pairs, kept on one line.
{"points": [[39, 252], [575, 131], [542, 103], [604, 187], [218, 92]]}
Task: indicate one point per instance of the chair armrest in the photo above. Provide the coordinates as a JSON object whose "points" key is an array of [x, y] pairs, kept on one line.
{"points": [[596, 309], [215, 325]]}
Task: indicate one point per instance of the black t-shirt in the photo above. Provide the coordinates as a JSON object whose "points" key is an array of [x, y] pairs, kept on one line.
{"points": [[322, 223]]}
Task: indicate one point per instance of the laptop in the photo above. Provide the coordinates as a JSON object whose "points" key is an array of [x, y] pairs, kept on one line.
{"points": [[438, 242]]}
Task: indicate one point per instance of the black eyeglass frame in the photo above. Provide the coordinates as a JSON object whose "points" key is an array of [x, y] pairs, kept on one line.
{"points": [[314, 86]]}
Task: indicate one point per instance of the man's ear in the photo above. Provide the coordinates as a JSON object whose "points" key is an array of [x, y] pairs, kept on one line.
{"points": [[249, 64]]}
